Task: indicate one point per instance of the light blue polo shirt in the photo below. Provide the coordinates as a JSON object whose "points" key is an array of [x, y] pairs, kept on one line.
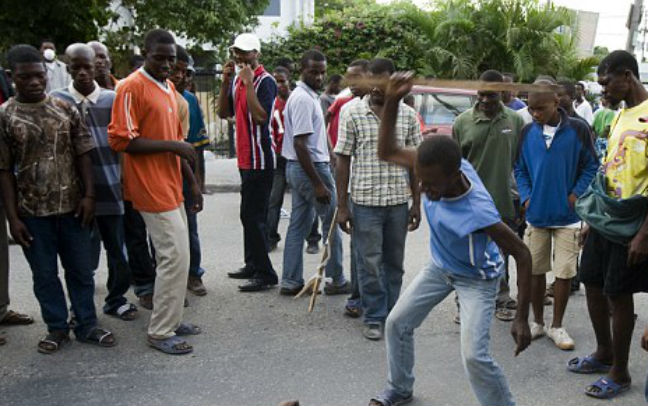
{"points": [[457, 241], [303, 117]]}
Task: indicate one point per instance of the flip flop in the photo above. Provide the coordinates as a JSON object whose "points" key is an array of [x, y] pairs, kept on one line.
{"points": [[171, 345], [16, 319], [126, 312], [100, 337], [389, 397], [605, 388], [52, 342], [587, 365], [188, 329]]}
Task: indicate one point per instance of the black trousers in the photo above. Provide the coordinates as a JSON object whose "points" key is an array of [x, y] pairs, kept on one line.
{"points": [[140, 255], [256, 186]]}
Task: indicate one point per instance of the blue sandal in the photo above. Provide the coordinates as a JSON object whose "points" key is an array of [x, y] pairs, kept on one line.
{"points": [[188, 329], [606, 388], [587, 365], [389, 397], [172, 345]]}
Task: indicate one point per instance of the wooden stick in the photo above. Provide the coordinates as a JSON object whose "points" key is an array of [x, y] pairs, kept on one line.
{"points": [[314, 282], [461, 84]]}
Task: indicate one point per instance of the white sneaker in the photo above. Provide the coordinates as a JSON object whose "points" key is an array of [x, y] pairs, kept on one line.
{"points": [[537, 330], [560, 338]]}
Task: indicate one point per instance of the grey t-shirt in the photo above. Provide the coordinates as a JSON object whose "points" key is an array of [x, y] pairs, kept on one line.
{"points": [[303, 118]]}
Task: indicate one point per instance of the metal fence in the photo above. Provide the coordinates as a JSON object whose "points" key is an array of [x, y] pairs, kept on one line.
{"points": [[220, 132]]}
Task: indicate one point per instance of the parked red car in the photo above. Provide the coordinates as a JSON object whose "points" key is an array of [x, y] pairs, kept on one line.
{"points": [[440, 107]]}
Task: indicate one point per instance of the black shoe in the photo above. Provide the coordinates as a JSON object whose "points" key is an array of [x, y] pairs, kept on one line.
{"points": [[243, 273], [256, 285], [290, 291]]}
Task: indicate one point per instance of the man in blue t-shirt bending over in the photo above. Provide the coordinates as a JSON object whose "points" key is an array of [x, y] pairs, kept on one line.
{"points": [[465, 232]]}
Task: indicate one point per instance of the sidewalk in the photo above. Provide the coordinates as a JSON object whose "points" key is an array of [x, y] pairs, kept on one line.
{"points": [[221, 174]]}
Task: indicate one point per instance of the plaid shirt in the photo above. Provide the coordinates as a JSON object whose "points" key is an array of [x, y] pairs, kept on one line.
{"points": [[375, 182]]}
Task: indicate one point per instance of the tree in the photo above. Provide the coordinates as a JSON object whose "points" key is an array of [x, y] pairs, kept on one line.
{"points": [[62, 21], [456, 39]]}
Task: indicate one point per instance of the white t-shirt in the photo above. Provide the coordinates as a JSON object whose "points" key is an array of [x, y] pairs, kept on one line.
{"points": [[585, 110], [548, 133]]}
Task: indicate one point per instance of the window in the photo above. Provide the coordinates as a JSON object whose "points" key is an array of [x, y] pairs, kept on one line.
{"points": [[273, 9], [439, 108]]}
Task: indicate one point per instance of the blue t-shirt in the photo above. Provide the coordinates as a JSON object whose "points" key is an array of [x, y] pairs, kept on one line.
{"points": [[516, 104], [457, 241], [197, 135]]}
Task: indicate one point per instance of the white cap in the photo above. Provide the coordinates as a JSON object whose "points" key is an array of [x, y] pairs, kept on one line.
{"points": [[247, 42]]}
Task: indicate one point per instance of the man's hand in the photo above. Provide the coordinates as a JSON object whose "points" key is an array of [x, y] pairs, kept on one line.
{"points": [[583, 235], [521, 334], [228, 71], [246, 75], [572, 200], [638, 249], [414, 219], [644, 339], [20, 233], [322, 194], [185, 151], [86, 210], [197, 198], [344, 219], [399, 85]]}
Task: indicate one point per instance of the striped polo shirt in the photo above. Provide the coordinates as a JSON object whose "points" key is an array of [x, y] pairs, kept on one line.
{"points": [[96, 109], [253, 141]]}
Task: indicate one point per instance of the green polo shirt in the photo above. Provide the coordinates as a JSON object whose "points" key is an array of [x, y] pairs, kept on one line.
{"points": [[490, 145]]}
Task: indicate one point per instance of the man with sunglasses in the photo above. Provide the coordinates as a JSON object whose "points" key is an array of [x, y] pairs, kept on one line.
{"points": [[248, 93], [488, 135]]}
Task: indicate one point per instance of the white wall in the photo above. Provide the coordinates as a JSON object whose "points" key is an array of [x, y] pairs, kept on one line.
{"points": [[292, 12]]}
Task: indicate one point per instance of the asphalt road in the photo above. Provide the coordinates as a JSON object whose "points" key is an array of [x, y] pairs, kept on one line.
{"points": [[262, 348]]}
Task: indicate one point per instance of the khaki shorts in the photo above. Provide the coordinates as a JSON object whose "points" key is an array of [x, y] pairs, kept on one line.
{"points": [[565, 250]]}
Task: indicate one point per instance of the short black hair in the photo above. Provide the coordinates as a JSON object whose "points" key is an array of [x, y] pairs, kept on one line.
{"points": [[409, 97], [44, 40], [283, 71], [362, 63], [440, 150], [335, 78], [312, 55], [285, 62], [379, 66], [136, 60], [23, 53], [618, 62], [182, 54], [491, 75], [157, 36], [569, 86], [579, 84], [509, 75]]}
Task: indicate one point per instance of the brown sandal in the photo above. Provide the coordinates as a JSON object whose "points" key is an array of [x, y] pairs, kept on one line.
{"points": [[16, 319], [53, 342]]}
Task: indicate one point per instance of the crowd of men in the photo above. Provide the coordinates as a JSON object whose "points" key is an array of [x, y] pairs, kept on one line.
{"points": [[87, 159]]}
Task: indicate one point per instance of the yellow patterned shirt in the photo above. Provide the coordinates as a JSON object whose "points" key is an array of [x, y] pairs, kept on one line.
{"points": [[626, 163]]}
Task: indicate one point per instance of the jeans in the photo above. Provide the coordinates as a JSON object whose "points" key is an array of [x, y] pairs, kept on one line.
{"points": [[304, 209], [276, 200], [111, 230], [477, 299], [195, 254], [62, 236], [140, 255], [255, 195], [379, 234]]}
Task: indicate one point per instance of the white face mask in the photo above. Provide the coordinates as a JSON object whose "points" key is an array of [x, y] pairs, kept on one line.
{"points": [[49, 55]]}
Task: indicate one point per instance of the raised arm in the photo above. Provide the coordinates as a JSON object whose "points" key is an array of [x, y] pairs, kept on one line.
{"points": [[399, 85]]}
